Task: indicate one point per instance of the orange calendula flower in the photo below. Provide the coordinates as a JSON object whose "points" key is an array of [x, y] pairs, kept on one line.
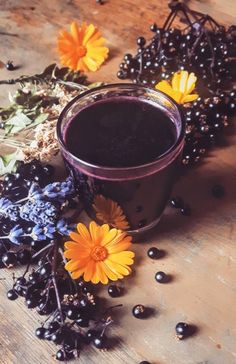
{"points": [[98, 254], [109, 212], [181, 86], [82, 49]]}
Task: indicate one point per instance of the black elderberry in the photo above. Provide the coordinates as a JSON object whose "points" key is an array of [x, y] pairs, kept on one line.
{"points": [[182, 330], [9, 259], [24, 257], [139, 311], [72, 312], [114, 291], [153, 253], [99, 341], [12, 295], [61, 355], [83, 321], [144, 362], [161, 277], [39, 332], [141, 41], [90, 334], [10, 66]]}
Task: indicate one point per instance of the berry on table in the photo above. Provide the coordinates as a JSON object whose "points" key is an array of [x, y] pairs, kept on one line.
{"points": [[10, 66], [182, 330], [40, 332], [144, 362], [153, 253], [12, 295], [9, 259], [161, 277], [100, 341], [139, 311], [114, 290]]}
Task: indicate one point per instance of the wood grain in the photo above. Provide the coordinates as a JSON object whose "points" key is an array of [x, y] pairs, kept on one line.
{"points": [[200, 250]]}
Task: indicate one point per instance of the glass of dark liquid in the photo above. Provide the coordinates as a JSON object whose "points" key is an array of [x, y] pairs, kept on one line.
{"points": [[122, 144]]}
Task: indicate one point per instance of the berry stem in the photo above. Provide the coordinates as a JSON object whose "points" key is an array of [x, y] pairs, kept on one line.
{"points": [[54, 266], [42, 250]]}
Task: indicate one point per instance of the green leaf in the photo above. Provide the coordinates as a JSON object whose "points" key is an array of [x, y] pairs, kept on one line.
{"points": [[8, 163], [39, 119], [17, 123]]}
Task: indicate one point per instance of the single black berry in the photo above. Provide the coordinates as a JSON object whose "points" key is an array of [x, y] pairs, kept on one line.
{"points": [[144, 362], [61, 355], [9, 259], [12, 295], [153, 253], [218, 191], [161, 277], [182, 330], [100, 341], [10, 66], [39, 332], [139, 311], [90, 334], [24, 256], [114, 290]]}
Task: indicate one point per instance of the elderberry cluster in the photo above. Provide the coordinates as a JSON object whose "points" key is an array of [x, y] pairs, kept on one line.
{"points": [[73, 311], [31, 211], [203, 47]]}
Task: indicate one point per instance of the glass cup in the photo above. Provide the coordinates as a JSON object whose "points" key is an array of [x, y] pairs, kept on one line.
{"points": [[130, 198]]}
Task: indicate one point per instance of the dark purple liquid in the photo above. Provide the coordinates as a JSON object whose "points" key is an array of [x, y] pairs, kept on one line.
{"points": [[123, 132], [120, 132]]}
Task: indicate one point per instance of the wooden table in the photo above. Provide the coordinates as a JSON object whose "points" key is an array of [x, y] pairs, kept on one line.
{"points": [[200, 250]]}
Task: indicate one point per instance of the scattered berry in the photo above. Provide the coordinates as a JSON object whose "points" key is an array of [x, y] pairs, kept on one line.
{"points": [[114, 290], [10, 66], [153, 253], [139, 311], [12, 295], [161, 277], [182, 330]]}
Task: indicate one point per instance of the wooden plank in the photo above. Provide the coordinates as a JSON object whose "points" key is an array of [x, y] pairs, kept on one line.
{"points": [[201, 252]]}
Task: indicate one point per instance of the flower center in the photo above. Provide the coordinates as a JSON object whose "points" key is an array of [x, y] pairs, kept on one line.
{"points": [[99, 253], [81, 51]]}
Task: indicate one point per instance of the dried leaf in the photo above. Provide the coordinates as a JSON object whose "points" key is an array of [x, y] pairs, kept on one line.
{"points": [[17, 123]]}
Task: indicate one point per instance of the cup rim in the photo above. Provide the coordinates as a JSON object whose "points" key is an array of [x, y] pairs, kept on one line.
{"points": [[175, 147]]}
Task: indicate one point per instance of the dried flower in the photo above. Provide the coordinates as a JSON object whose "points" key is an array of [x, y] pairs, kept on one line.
{"points": [[182, 85], [109, 212], [99, 253], [82, 48]]}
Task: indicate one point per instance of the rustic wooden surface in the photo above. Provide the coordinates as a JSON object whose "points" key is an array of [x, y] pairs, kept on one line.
{"points": [[200, 250]]}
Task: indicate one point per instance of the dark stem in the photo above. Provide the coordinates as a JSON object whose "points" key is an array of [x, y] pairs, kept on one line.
{"points": [[54, 267]]}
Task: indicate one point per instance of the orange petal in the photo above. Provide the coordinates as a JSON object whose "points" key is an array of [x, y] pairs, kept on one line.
{"points": [[89, 270], [94, 231], [83, 231], [75, 31], [79, 240], [119, 237], [72, 265], [76, 254], [77, 273], [123, 245], [189, 98]]}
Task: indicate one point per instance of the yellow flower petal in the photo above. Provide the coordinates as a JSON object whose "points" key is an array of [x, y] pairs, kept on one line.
{"points": [[123, 245], [110, 274], [74, 31], [189, 98], [191, 83], [183, 81], [72, 265], [88, 33], [176, 81], [118, 268], [109, 237], [124, 257]]}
